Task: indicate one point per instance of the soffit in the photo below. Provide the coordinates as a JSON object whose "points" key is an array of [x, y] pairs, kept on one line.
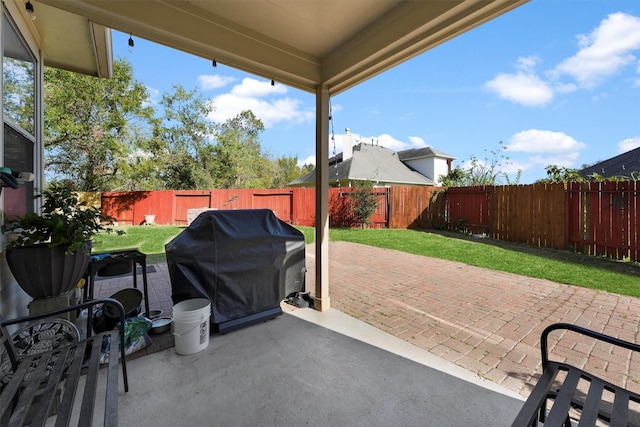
{"points": [[71, 42], [303, 44]]}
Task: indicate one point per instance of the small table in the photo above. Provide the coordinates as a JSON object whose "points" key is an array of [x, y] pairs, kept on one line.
{"points": [[100, 260]]}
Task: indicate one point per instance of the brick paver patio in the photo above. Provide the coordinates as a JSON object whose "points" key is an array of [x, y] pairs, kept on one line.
{"points": [[486, 321]]}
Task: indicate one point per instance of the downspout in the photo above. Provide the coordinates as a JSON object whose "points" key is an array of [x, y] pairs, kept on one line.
{"points": [[321, 300]]}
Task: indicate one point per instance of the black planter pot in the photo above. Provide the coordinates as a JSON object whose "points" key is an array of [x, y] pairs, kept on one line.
{"points": [[44, 272]]}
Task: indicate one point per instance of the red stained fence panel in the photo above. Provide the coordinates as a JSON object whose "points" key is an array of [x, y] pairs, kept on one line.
{"points": [[604, 219]]}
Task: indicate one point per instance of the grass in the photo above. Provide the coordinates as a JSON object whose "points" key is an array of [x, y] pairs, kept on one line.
{"points": [[147, 239], [558, 266]]}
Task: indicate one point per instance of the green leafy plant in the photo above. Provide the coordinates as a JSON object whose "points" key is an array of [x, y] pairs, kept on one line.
{"points": [[65, 222]]}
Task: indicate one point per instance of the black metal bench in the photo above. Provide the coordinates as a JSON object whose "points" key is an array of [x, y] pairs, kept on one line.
{"points": [[555, 400], [44, 382]]}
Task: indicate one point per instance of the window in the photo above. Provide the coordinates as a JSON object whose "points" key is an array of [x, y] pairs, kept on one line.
{"points": [[19, 115]]}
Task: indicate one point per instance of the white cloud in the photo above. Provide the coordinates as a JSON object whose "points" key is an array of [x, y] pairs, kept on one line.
{"points": [[523, 87], [261, 98], [214, 81], [628, 144], [567, 160], [255, 88], [311, 160], [528, 63], [544, 141], [417, 142], [604, 51]]}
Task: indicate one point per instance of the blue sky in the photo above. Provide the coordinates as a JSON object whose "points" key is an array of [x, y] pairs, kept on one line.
{"points": [[557, 81]]}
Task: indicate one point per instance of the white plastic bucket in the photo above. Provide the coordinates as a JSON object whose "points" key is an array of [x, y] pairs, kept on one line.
{"points": [[191, 325]]}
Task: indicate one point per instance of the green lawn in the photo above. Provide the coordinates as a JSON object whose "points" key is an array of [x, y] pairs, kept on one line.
{"points": [[148, 239], [558, 266]]}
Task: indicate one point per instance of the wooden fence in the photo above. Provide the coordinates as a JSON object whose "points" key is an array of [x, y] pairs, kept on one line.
{"points": [[295, 206], [595, 218]]}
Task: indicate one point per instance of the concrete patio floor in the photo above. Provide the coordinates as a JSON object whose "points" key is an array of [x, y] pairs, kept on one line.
{"points": [[475, 325]]}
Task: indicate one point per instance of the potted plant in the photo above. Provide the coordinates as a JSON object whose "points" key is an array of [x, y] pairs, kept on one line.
{"points": [[48, 253]]}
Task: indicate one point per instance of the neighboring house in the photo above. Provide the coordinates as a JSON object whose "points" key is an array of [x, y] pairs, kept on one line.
{"points": [[385, 167], [428, 161], [625, 165]]}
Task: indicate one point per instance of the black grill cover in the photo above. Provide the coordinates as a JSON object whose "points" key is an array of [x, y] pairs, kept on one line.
{"points": [[244, 261]]}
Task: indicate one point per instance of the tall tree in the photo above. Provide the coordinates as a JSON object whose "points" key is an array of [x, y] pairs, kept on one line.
{"points": [[182, 141], [240, 162], [87, 132]]}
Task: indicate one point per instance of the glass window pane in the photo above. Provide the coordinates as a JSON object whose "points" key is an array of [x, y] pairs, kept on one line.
{"points": [[18, 73]]}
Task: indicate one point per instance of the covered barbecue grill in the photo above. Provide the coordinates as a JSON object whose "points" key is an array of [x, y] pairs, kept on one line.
{"points": [[244, 261]]}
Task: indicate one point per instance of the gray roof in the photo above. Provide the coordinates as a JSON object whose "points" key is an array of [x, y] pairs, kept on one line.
{"points": [[369, 163], [625, 165], [419, 153]]}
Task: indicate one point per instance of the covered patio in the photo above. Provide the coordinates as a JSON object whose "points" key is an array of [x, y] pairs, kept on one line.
{"points": [[306, 367]]}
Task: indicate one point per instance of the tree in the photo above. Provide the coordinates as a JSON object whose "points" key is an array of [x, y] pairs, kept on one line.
{"points": [[240, 162], [364, 202], [284, 170], [489, 171], [87, 125], [102, 136], [182, 145]]}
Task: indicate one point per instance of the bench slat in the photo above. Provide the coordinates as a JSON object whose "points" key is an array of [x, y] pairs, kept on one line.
{"points": [[592, 403], [91, 381], [529, 412], [111, 403], [73, 377], [620, 415], [28, 394], [54, 378], [11, 390], [562, 403]]}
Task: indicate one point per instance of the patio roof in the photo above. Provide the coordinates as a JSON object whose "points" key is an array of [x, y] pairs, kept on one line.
{"points": [[298, 43]]}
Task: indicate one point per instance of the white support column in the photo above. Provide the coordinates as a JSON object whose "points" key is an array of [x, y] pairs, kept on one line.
{"points": [[321, 301]]}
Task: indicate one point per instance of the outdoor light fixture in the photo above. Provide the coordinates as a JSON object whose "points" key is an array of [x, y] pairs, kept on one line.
{"points": [[28, 7], [273, 83], [214, 63], [131, 43]]}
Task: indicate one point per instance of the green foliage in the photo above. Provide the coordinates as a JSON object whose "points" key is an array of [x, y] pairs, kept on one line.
{"points": [[240, 160], [103, 135], [284, 170], [87, 125], [364, 202], [353, 208], [64, 223], [488, 171], [557, 174], [182, 142]]}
